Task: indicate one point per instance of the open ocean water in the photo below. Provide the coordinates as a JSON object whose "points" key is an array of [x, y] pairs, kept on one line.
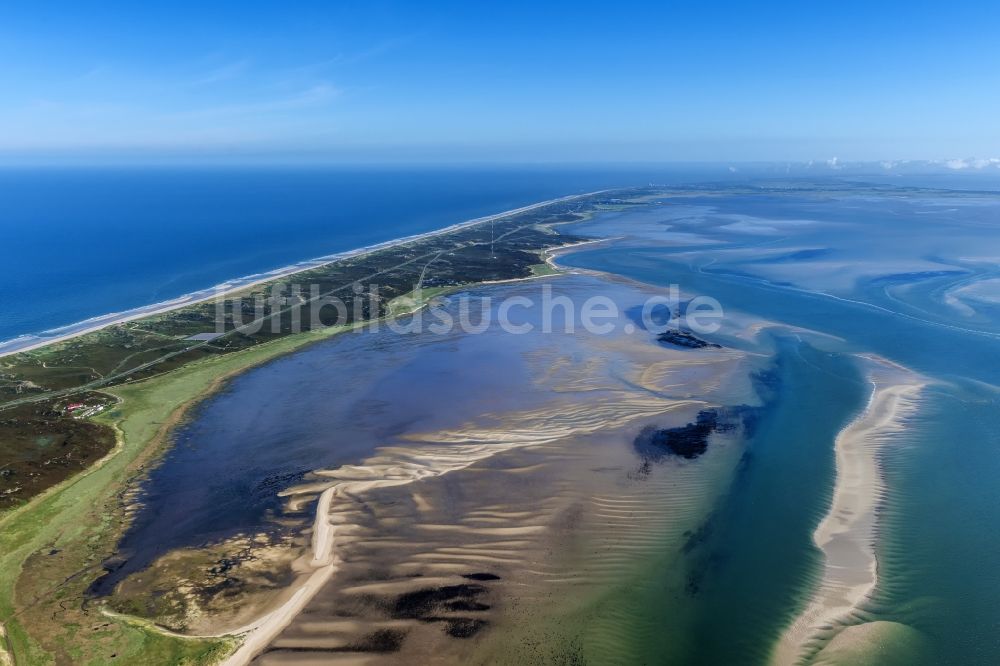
{"points": [[80, 243]]}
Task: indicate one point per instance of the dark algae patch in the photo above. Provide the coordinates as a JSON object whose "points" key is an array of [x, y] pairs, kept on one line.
{"points": [[480, 576], [687, 441], [749, 565], [391, 622], [691, 440], [436, 603], [685, 340], [421, 603]]}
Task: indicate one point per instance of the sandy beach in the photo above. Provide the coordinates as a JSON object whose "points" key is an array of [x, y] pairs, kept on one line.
{"points": [[847, 534], [29, 342]]}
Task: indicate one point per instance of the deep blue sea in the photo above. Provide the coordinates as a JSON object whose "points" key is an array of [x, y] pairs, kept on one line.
{"points": [[79, 243]]}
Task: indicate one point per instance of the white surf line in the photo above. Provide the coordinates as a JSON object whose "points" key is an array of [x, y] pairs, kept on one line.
{"points": [[847, 534], [35, 341]]}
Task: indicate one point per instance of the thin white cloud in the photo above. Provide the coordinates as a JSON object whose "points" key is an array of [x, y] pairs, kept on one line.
{"points": [[345, 59], [93, 73], [972, 163], [225, 72], [314, 96]]}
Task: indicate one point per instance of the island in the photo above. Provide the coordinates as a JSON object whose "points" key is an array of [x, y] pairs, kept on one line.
{"points": [[83, 419]]}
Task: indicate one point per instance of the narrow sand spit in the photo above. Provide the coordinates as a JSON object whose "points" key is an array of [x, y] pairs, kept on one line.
{"points": [[847, 534], [30, 342]]}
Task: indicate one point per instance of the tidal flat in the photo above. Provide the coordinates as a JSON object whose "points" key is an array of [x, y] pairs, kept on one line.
{"points": [[753, 494], [419, 548], [550, 420], [884, 277]]}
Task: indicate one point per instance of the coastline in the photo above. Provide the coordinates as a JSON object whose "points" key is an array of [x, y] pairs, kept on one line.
{"points": [[443, 452], [31, 342], [353, 479], [82, 499], [149, 410], [840, 607], [847, 534], [38, 523]]}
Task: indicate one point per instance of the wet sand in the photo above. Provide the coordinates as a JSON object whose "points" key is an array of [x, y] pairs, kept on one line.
{"points": [[505, 512], [514, 526], [519, 523], [847, 534]]}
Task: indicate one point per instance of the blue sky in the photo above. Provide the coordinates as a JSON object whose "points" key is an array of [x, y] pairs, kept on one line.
{"points": [[512, 81]]}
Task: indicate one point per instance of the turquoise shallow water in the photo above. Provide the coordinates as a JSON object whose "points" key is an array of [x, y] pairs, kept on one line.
{"points": [[903, 274], [879, 272], [941, 574], [749, 568]]}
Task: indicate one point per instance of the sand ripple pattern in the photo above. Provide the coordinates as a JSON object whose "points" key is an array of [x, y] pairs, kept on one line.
{"points": [[538, 497], [847, 534]]}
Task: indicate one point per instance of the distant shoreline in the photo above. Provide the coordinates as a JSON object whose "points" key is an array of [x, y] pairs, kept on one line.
{"points": [[31, 342]]}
